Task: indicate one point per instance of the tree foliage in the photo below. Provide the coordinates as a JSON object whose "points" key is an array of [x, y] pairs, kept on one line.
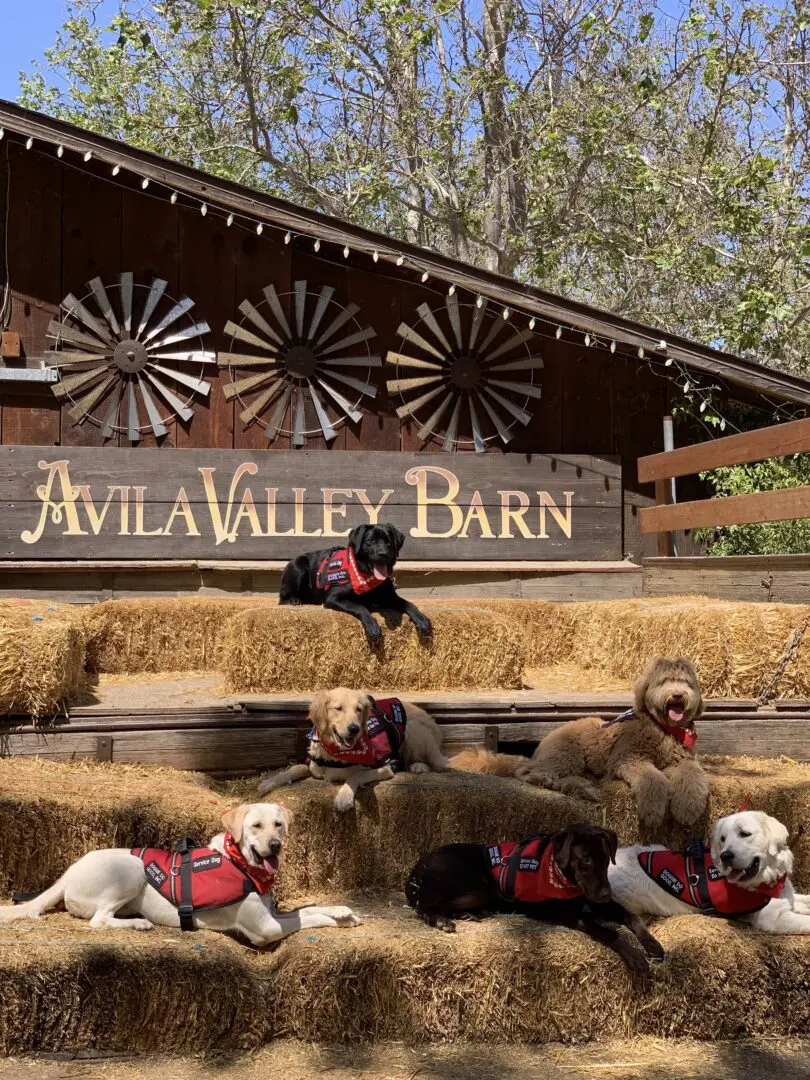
{"points": [[650, 160]]}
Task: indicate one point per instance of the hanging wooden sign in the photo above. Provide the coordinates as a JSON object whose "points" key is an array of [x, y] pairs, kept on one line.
{"points": [[88, 504]]}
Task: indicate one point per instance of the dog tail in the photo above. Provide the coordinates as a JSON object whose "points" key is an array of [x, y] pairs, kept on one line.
{"points": [[476, 759], [34, 909]]}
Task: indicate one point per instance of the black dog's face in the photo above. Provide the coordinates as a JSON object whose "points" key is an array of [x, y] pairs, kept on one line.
{"points": [[583, 853], [376, 548]]}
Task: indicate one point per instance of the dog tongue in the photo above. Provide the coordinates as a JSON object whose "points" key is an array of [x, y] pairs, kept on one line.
{"points": [[675, 715], [735, 875], [380, 571], [271, 864]]}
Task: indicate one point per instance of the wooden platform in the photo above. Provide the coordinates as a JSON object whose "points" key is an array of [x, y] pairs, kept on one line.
{"points": [[257, 734], [783, 579]]}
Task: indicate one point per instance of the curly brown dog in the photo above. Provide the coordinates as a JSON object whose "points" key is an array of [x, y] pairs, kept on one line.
{"points": [[651, 750]]}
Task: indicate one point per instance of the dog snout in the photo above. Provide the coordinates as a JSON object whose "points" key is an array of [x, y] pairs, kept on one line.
{"points": [[727, 857], [275, 847], [353, 730]]}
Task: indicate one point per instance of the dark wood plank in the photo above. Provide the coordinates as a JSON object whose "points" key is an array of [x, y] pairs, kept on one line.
{"points": [[775, 441], [783, 505], [585, 523], [31, 419]]}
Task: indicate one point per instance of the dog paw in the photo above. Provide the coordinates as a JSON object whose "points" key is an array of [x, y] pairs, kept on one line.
{"points": [[635, 960], [373, 634], [343, 916], [423, 625], [419, 767], [142, 924], [653, 948], [344, 800]]}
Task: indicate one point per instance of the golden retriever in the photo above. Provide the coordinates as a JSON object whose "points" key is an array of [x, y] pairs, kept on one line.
{"points": [[357, 741], [651, 750]]}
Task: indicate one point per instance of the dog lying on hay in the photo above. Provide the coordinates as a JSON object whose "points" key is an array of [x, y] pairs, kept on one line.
{"points": [[651, 748], [745, 876], [355, 579], [225, 886], [356, 740], [560, 878]]}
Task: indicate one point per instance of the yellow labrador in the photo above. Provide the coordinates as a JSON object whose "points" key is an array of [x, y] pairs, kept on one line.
{"points": [[111, 888], [357, 740]]}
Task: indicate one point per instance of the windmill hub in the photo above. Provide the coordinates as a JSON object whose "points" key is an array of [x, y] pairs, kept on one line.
{"points": [[301, 361], [465, 372], [130, 356]]}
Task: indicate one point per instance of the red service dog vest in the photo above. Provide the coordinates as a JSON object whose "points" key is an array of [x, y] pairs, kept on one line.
{"points": [[200, 879], [385, 732], [340, 568], [527, 872], [692, 877]]}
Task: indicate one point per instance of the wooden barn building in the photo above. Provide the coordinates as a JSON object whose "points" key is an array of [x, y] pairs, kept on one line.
{"points": [[198, 381]]}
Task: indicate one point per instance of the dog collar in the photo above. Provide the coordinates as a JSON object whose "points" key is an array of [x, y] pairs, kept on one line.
{"points": [[261, 878], [686, 736]]}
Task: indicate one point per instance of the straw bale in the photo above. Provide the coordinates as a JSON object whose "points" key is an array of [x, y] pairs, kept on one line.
{"points": [[504, 980], [51, 813], [165, 634], [41, 657], [309, 648]]}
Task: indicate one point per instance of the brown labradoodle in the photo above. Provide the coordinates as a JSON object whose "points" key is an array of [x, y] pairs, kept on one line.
{"points": [[651, 750]]}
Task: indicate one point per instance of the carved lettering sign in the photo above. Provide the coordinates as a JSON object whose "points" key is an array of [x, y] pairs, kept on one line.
{"points": [[91, 503]]}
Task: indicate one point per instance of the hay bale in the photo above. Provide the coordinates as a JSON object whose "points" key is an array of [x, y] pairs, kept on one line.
{"points": [[41, 657], [309, 648], [67, 987], [185, 633], [72, 808]]}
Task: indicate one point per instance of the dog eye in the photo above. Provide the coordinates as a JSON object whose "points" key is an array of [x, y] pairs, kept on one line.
{"points": [[745, 835], [338, 708]]}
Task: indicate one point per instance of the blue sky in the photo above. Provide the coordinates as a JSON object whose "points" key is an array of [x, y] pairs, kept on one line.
{"points": [[29, 28]]}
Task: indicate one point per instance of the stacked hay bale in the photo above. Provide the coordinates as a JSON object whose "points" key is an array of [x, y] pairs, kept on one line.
{"points": [[41, 657]]}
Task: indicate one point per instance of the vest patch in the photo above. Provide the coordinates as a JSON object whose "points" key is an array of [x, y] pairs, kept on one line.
{"points": [[382, 744], [527, 872], [340, 568]]}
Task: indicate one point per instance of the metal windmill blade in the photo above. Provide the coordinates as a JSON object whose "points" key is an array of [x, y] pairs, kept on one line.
{"points": [[463, 372], [300, 363], [128, 381]]}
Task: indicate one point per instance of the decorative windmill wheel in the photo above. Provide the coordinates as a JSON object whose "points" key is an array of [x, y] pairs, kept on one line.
{"points": [[114, 366], [320, 365], [468, 362]]}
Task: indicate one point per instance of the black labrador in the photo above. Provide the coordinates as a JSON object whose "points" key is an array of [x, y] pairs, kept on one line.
{"points": [[355, 579], [459, 879]]}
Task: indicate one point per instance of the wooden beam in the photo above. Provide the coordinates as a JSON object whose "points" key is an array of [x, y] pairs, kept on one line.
{"points": [[768, 442], [663, 496], [782, 505]]}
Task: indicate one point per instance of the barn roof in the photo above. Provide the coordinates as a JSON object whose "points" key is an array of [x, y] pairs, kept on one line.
{"points": [[247, 202]]}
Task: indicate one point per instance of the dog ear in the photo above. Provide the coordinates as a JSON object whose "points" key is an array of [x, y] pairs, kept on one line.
{"points": [[777, 836], [317, 710], [286, 816], [397, 538], [563, 842], [356, 537], [234, 821], [610, 842], [367, 703]]}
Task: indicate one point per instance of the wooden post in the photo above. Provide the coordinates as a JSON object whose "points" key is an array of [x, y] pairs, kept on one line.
{"points": [[663, 494], [669, 444]]}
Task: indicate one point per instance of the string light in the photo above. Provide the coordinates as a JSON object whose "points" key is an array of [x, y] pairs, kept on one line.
{"points": [[375, 255], [505, 314], [173, 198], [2, 132], [641, 352], [29, 142], [668, 362], [60, 150], [203, 209], [116, 169], [425, 276], [88, 155], [532, 323], [287, 237], [559, 333], [613, 346], [145, 184], [400, 260], [259, 229], [229, 220], [703, 405], [452, 289], [479, 303], [317, 245], [722, 424], [346, 252], [662, 345], [587, 340]]}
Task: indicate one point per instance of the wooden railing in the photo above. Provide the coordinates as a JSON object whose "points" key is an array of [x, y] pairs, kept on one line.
{"points": [[782, 505]]}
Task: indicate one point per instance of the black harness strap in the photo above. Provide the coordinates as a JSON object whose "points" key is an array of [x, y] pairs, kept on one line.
{"points": [[513, 863], [698, 875], [185, 909]]}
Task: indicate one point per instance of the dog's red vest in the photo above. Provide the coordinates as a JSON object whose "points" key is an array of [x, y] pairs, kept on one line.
{"points": [[527, 872], [216, 880], [382, 744], [340, 568], [692, 877]]}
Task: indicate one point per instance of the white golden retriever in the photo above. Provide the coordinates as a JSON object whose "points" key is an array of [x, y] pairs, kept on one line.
{"points": [[746, 877], [357, 741], [110, 887]]}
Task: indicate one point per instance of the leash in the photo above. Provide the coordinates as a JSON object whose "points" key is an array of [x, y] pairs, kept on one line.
{"points": [[789, 653]]}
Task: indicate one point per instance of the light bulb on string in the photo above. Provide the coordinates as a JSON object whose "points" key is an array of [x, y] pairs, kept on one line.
{"points": [[145, 184], [116, 169], [259, 229], [451, 290], [2, 132], [703, 405], [587, 340], [400, 260], [641, 352], [505, 314], [532, 323], [203, 209], [173, 198], [375, 256], [229, 220], [479, 303], [60, 150], [88, 155], [668, 362], [559, 333], [287, 237], [346, 252], [29, 142], [425, 276], [317, 245], [613, 346]]}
